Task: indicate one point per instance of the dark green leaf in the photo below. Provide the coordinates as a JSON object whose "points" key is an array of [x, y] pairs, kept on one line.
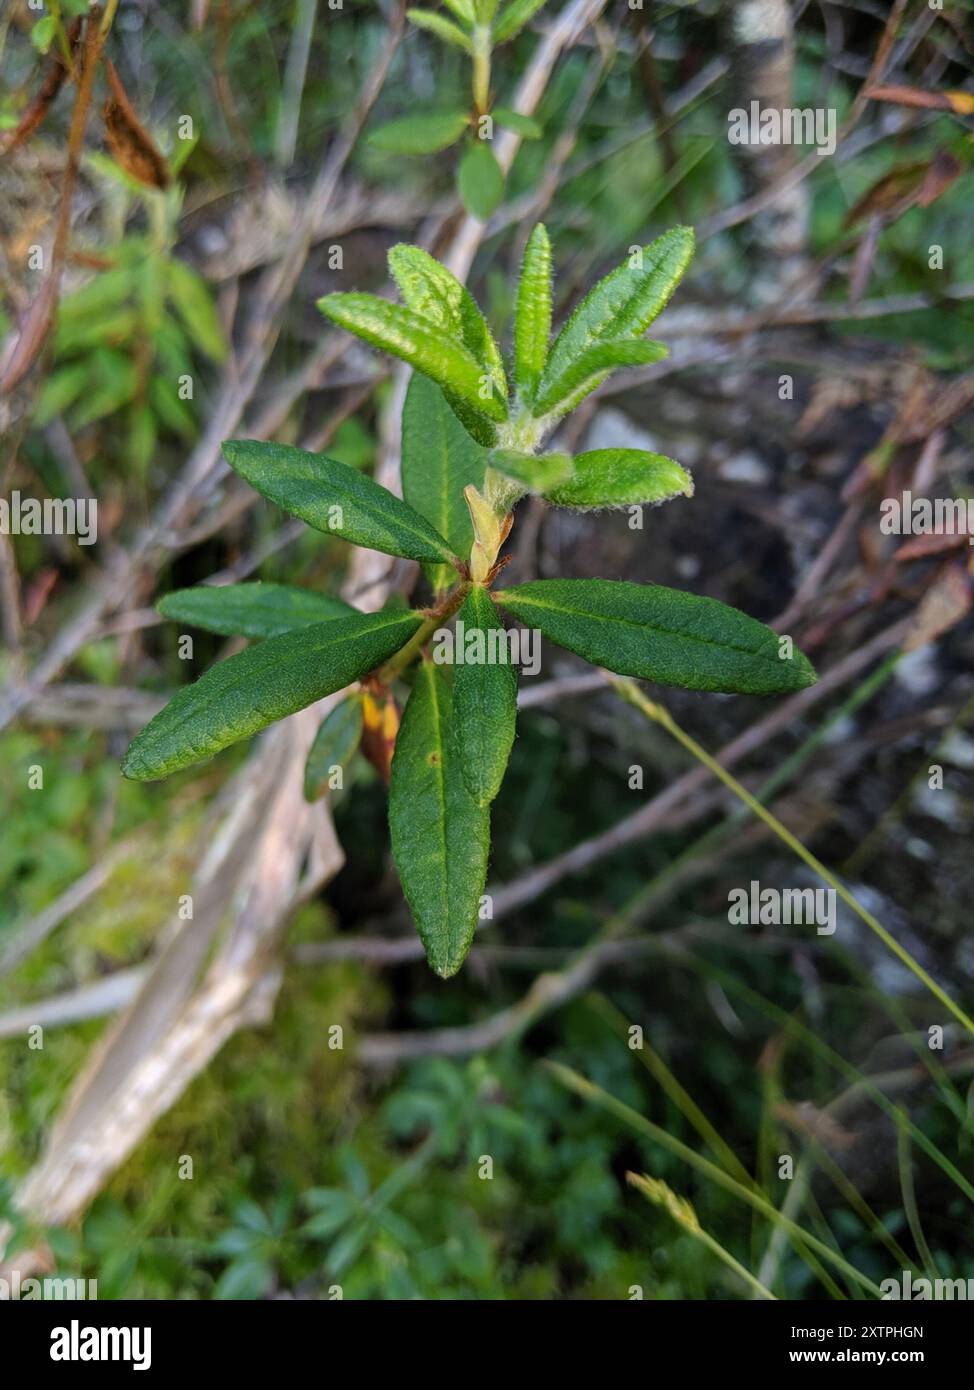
{"points": [[659, 634], [624, 304], [420, 134], [532, 318], [272, 679], [335, 742], [537, 472], [484, 696], [524, 126], [440, 836], [439, 459], [251, 610], [336, 499], [621, 477], [480, 180], [430, 350], [589, 369]]}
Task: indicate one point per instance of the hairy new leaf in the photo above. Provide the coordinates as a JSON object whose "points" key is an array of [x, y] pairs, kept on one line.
{"points": [[439, 459], [625, 303], [420, 134], [430, 350], [660, 634], [272, 679], [440, 836], [532, 318], [435, 292], [337, 499], [484, 696], [589, 369], [251, 610], [338, 736], [621, 477], [443, 28], [513, 18], [537, 472]]}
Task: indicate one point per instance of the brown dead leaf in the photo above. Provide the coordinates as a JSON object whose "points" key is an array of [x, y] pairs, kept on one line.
{"points": [[130, 143], [942, 607], [919, 183], [54, 78]]}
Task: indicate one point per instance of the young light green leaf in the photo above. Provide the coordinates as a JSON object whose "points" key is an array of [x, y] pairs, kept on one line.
{"points": [[463, 9], [537, 472], [338, 736], [251, 610], [336, 499], [525, 126], [430, 350], [593, 365], [272, 679], [532, 318], [513, 18], [443, 28], [431, 290], [484, 696], [480, 180], [439, 459], [420, 134], [660, 634], [484, 10], [619, 478], [194, 304], [625, 303], [440, 836]]}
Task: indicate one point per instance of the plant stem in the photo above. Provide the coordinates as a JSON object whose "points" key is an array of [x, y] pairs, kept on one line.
{"points": [[481, 68], [434, 619], [631, 692]]}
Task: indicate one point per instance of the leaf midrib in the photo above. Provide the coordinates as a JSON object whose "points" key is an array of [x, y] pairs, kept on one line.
{"points": [[650, 627]]}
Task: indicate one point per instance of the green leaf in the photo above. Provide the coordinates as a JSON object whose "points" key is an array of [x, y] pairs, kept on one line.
{"points": [[334, 498], [440, 836], [61, 389], [538, 472], [420, 134], [532, 318], [484, 696], [513, 18], [251, 610], [619, 478], [625, 303], [525, 126], [430, 350], [116, 381], [272, 679], [463, 9], [338, 736], [592, 366], [480, 180], [659, 634], [484, 10], [443, 28], [194, 304], [431, 290], [439, 459]]}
